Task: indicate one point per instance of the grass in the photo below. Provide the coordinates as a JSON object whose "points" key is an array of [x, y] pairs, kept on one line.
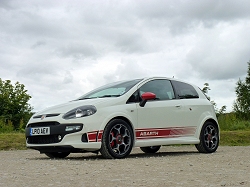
{"points": [[235, 138], [12, 141], [230, 122], [16, 140]]}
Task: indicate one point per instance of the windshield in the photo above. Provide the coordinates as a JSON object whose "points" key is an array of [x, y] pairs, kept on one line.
{"points": [[111, 90]]}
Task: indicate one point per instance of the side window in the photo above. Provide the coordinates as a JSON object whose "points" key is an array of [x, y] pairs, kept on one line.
{"points": [[161, 88], [184, 90]]}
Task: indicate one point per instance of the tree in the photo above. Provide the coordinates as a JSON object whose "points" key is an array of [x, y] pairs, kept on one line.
{"points": [[205, 91], [218, 111], [242, 103], [206, 88], [14, 106]]}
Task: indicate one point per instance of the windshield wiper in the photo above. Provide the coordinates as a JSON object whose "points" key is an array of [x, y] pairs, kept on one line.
{"points": [[99, 97], [86, 98]]}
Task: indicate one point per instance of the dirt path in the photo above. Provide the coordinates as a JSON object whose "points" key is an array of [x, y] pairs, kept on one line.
{"points": [[171, 166]]}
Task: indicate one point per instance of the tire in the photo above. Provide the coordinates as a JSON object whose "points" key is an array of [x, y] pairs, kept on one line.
{"points": [[117, 139], [151, 149], [57, 154], [209, 138]]}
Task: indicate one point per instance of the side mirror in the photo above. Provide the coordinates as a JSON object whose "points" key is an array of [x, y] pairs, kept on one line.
{"points": [[145, 97]]}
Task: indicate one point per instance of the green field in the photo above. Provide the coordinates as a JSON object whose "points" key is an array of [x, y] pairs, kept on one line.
{"points": [[12, 141], [235, 138], [16, 141]]}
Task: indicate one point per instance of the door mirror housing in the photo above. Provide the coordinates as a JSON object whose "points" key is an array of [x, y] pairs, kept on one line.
{"points": [[145, 97]]}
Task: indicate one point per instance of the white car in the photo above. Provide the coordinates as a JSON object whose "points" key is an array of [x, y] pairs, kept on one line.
{"points": [[112, 119]]}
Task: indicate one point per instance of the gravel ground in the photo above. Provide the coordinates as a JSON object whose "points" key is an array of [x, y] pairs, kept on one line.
{"points": [[171, 166]]}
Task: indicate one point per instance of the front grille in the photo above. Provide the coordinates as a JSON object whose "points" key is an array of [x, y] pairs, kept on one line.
{"points": [[46, 115], [43, 124], [43, 139]]}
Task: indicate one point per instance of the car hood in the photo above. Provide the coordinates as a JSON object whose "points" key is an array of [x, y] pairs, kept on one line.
{"points": [[65, 107]]}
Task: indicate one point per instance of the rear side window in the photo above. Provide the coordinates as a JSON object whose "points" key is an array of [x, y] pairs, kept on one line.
{"points": [[184, 90]]}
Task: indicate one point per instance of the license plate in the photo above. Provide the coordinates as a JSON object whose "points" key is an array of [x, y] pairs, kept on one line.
{"points": [[39, 131]]}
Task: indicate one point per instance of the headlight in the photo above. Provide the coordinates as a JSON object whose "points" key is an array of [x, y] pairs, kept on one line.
{"points": [[79, 112]]}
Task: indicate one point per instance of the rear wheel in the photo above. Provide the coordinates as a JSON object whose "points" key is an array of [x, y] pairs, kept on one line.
{"points": [[150, 149], [117, 139], [57, 154], [209, 138]]}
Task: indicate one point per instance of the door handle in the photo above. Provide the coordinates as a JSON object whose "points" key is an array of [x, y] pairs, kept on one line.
{"points": [[178, 106]]}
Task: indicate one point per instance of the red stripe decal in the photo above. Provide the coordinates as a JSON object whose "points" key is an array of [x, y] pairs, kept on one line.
{"points": [[92, 136], [164, 132], [95, 136], [99, 136]]}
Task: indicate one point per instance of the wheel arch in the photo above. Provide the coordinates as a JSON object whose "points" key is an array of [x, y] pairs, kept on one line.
{"points": [[214, 122], [208, 120], [127, 121]]}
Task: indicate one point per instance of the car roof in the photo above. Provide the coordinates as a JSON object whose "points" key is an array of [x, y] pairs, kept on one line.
{"points": [[161, 77]]}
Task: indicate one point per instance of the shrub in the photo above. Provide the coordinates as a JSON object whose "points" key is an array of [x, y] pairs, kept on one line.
{"points": [[230, 122], [6, 127]]}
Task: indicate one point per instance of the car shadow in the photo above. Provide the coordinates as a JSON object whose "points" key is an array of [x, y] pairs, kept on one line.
{"points": [[94, 156], [162, 154]]}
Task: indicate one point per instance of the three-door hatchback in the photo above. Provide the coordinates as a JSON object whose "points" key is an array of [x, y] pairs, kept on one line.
{"points": [[112, 119]]}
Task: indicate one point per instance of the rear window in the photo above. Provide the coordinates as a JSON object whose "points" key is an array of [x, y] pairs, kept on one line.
{"points": [[184, 90]]}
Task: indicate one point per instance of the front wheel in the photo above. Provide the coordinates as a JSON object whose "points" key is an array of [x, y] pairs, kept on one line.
{"points": [[117, 139], [150, 149], [209, 138], [57, 154]]}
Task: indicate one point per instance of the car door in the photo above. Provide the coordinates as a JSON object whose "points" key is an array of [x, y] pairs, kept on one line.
{"points": [[193, 107], [162, 117]]}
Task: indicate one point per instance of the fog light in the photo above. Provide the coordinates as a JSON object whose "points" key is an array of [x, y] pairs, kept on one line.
{"points": [[73, 128], [59, 137]]}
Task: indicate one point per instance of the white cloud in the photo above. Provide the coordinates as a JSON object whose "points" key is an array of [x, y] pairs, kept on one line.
{"points": [[221, 53], [60, 49]]}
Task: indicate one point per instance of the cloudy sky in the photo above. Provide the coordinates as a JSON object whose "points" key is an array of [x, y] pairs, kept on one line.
{"points": [[61, 49]]}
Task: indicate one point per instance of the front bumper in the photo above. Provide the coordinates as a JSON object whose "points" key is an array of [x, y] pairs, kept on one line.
{"points": [[57, 132], [60, 140]]}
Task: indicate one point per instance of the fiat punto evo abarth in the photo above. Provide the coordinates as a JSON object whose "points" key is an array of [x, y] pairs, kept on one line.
{"points": [[114, 118]]}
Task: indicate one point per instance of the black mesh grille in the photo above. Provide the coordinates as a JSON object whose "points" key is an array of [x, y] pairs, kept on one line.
{"points": [[44, 124], [43, 139], [84, 138]]}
